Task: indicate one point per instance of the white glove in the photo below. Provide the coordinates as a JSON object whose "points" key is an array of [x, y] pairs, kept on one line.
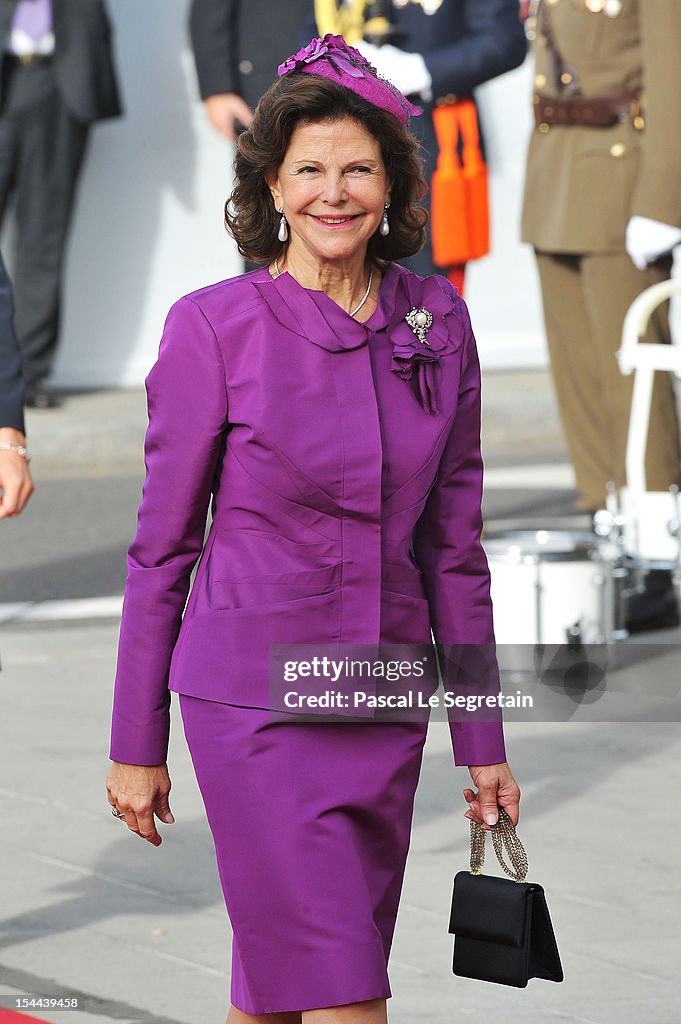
{"points": [[646, 240], [407, 71]]}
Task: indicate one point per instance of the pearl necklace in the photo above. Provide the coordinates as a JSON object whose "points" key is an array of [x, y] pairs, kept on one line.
{"points": [[366, 294]]}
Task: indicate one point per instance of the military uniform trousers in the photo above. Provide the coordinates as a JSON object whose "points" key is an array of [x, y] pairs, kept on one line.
{"points": [[585, 298]]}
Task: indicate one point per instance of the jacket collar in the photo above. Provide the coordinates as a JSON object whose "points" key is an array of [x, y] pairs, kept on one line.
{"points": [[314, 316]]}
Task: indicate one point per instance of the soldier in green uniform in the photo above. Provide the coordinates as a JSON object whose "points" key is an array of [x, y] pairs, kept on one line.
{"points": [[602, 209]]}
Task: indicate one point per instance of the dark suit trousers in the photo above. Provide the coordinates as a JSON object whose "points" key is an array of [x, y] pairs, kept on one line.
{"points": [[41, 154], [424, 130]]}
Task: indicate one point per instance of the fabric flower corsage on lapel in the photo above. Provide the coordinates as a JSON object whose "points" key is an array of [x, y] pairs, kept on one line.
{"points": [[419, 339]]}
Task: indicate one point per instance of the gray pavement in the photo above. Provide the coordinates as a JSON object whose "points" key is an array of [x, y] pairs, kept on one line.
{"points": [[140, 934]]}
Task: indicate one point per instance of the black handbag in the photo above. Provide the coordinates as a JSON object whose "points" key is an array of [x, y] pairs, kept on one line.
{"points": [[502, 928]]}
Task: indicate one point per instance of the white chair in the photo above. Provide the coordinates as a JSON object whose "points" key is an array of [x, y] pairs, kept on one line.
{"points": [[649, 519]]}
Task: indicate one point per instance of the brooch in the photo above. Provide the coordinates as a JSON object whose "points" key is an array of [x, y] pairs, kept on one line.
{"points": [[420, 321]]}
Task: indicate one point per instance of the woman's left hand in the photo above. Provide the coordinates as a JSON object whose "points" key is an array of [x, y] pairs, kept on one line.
{"points": [[496, 787]]}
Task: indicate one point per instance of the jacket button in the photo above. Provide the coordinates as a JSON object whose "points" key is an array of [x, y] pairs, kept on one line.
{"points": [[245, 67], [618, 149]]}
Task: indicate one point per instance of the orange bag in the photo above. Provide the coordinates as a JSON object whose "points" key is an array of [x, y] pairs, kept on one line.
{"points": [[459, 188]]}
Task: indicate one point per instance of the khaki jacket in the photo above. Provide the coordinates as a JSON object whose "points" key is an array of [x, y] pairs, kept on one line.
{"points": [[582, 183]]}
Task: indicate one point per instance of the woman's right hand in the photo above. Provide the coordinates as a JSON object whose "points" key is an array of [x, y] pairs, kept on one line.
{"points": [[141, 791]]}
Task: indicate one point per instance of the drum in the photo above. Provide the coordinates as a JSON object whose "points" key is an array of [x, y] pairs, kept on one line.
{"points": [[651, 527], [551, 587]]}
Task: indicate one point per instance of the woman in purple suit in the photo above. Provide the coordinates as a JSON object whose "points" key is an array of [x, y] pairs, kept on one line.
{"points": [[326, 408]]}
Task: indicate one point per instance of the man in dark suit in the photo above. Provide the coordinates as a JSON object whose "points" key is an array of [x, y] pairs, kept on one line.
{"points": [[56, 78], [237, 49], [15, 478]]}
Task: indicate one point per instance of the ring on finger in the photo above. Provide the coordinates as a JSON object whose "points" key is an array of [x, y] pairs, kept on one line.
{"points": [[116, 813]]}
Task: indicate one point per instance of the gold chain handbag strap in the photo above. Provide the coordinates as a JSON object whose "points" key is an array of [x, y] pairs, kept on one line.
{"points": [[503, 834]]}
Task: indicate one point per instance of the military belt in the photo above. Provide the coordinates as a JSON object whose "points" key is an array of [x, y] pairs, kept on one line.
{"points": [[590, 111]]}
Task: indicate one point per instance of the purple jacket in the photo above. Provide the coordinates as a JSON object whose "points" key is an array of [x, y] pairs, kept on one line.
{"points": [[313, 435]]}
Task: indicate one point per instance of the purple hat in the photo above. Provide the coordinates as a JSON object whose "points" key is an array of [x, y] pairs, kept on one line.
{"points": [[332, 58]]}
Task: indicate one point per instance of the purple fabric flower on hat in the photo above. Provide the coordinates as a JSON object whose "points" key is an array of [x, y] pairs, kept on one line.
{"points": [[315, 48], [332, 58]]}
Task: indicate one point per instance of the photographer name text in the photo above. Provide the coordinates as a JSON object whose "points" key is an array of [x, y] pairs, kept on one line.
{"points": [[410, 699]]}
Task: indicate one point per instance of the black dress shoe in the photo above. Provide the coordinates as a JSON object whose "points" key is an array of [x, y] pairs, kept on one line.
{"points": [[38, 396]]}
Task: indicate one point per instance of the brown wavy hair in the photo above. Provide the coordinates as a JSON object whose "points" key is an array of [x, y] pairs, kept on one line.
{"points": [[250, 214]]}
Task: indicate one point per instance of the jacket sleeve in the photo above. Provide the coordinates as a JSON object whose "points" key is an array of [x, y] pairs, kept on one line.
{"points": [[657, 194], [11, 380], [187, 402], [493, 41], [448, 549], [212, 27]]}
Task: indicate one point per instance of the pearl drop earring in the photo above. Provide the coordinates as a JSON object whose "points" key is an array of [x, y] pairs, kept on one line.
{"points": [[384, 229], [282, 233]]}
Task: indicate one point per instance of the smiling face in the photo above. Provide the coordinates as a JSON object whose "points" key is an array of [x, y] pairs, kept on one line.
{"points": [[333, 186]]}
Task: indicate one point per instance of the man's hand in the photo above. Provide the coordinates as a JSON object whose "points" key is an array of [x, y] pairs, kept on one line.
{"points": [[15, 476], [496, 786], [141, 791], [223, 109]]}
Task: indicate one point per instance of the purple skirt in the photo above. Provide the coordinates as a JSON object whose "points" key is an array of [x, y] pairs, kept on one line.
{"points": [[311, 823]]}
